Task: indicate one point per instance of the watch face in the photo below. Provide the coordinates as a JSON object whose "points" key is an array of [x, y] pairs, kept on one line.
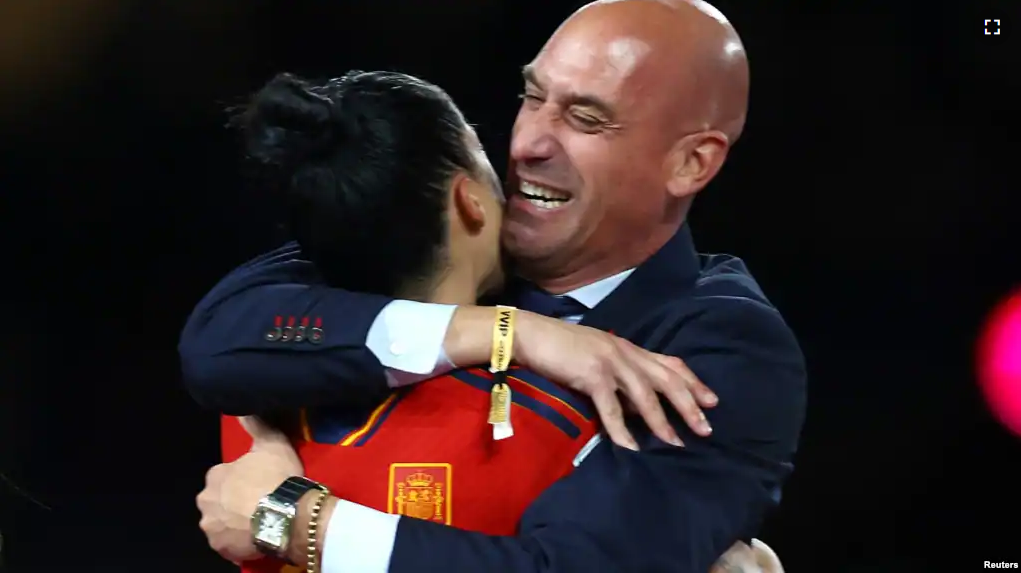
{"points": [[271, 528]]}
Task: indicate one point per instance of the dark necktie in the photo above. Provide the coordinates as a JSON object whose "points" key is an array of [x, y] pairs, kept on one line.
{"points": [[541, 302]]}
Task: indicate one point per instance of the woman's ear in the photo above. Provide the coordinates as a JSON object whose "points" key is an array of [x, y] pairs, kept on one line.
{"points": [[465, 203]]}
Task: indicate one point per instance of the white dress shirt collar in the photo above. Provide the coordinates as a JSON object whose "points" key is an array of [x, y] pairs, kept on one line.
{"points": [[592, 294]]}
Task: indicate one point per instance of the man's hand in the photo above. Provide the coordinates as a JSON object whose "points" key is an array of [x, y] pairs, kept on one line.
{"points": [[233, 490], [602, 365], [741, 558]]}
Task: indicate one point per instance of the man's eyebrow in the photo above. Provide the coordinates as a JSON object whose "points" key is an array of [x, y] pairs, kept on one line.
{"points": [[528, 74]]}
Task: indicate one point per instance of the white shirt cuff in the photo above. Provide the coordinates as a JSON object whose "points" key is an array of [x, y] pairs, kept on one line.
{"points": [[407, 338], [358, 539]]}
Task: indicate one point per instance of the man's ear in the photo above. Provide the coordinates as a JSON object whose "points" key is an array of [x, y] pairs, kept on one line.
{"points": [[466, 204], [694, 160]]}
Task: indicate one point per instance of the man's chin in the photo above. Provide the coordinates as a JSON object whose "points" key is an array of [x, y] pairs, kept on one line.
{"points": [[523, 244], [522, 240]]}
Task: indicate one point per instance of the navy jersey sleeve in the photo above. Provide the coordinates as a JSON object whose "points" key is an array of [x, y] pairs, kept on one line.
{"points": [[270, 336], [662, 509]]}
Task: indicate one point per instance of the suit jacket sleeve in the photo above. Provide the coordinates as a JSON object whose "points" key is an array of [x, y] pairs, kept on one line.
{"points": [[664, 508], [228, 363]]}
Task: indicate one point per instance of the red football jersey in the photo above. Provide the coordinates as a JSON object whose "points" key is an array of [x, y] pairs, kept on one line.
{"points": [[428, 451]]}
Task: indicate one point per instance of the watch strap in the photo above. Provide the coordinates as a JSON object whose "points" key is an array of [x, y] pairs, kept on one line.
{"points": [[293, 488]]}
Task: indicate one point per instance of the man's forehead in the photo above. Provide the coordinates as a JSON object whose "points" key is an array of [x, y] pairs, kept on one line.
{"points": [[588, 62]]}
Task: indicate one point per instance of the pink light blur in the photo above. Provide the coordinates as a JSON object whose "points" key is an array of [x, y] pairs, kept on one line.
{"points": [[999, 363]]}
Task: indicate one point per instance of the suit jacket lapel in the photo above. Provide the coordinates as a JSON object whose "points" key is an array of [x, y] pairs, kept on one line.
{"points": [[672, 270]]}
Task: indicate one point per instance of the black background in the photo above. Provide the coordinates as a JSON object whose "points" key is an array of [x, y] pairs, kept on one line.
{"points": [[873, 195]]}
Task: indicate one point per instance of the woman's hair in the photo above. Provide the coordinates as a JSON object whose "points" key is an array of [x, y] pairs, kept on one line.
{"points": [[364, 162]]}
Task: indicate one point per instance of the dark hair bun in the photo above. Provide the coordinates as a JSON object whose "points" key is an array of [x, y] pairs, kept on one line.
{"points": [[347, 153], [288, 123]]}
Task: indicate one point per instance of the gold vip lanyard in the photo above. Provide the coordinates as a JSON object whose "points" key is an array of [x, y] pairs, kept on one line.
{"points": [[499, 363]]}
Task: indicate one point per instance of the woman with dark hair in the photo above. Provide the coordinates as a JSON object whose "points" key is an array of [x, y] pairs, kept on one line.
{"points": [[388, 191]]}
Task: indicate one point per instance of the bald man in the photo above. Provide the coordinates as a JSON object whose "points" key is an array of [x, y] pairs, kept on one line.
{"points": [[628, 112]]}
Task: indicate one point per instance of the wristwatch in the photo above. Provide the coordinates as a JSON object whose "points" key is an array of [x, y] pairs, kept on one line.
{"points": [[273, 519]]}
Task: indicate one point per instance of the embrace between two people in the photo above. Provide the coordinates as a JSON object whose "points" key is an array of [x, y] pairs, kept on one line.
{"points": [[624, 119]]}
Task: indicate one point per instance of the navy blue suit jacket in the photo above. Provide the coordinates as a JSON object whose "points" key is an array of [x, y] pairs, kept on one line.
{"points": [[663, 509]]}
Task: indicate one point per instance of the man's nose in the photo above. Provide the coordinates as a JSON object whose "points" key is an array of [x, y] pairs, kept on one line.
{"points": [[533, 140]]}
